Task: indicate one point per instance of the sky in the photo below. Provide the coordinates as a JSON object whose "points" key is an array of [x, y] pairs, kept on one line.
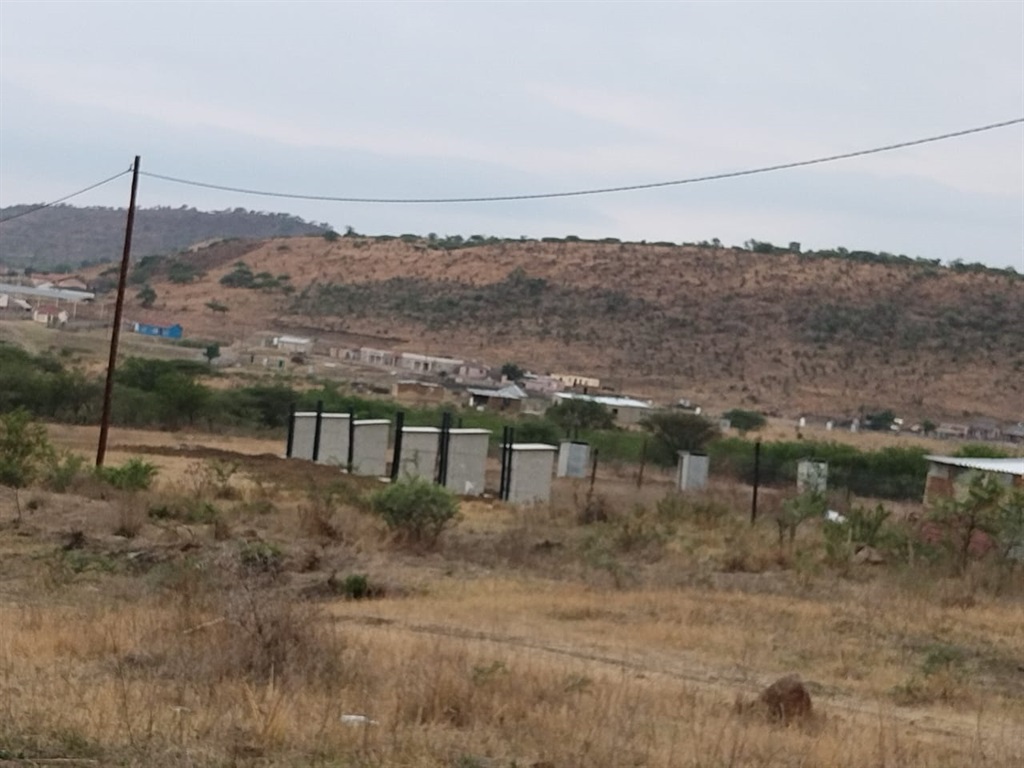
{"points": [[466, 99]]}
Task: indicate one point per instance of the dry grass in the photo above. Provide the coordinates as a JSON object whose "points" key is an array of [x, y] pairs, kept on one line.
{"points": [[526, 639]]}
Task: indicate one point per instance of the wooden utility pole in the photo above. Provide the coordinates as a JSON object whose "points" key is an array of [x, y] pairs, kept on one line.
{"points": [[115, 333]]}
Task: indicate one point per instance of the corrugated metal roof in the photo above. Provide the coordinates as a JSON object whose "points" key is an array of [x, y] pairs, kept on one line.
{"points": [[510, 392], [1003, 466], [611, 401], [46, 293]]}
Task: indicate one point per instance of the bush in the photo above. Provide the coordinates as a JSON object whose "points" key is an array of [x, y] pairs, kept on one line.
{"points": [[24, 449], [416, 509], [134, 475], [62, 469]]}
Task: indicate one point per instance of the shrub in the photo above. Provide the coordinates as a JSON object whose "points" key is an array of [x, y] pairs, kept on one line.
{"points": [[794, 511], [134, 475], [24, 449], [62, 469], [416, 509]]}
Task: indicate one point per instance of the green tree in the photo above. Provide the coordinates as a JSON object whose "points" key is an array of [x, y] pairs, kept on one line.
{"points": [[745, 421], [512, 372], [988, 508], [211, 353], [216, 306], [331, 236], [147, 296], [672, 432], [572, 415], [24, 450]]}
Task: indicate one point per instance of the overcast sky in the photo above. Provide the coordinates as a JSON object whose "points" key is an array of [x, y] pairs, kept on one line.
{"points": [[476, 99]]}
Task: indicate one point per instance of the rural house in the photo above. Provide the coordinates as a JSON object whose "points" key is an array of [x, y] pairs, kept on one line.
{"points": [[948, 476], [50, 315], [627, 411], [508, 398]]}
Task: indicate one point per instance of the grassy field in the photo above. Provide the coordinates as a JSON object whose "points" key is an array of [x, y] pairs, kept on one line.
{"points": [[211, 621]]}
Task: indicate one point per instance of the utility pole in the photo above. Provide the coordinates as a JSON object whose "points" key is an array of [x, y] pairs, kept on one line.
{"points": [[115, 334]]}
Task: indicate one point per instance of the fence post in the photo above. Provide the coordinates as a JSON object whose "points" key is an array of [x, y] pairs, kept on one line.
{"points": [[502, 482], [350, 458], [291, 431], [757, 481], [643, 463], [316, 429], [396, 454]]}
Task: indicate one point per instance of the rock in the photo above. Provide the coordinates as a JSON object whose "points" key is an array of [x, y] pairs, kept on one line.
{"points": [[786, 699], [868, 555]]}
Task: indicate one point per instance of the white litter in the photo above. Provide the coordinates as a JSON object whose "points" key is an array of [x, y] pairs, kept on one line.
{"points": [[357, 720], [834, 517]]}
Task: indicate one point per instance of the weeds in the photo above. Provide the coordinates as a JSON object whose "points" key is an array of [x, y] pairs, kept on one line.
{"points": [[134, 475]]}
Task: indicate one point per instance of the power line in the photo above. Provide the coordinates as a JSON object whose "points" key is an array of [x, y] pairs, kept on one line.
{"points": [[583, 192], [66, 197]]}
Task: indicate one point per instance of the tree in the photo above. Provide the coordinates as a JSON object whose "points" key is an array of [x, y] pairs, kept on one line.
{"points": [[211, 353], [24, 449], [979, 512], [331, 236], [745, 421], [928, 426], [674, 432], [572, 415], [216, 306], [147, 296], [512, 372]]}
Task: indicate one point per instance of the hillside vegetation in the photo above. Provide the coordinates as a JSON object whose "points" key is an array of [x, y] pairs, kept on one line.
{"points": [[824, 333], [66, 236]]}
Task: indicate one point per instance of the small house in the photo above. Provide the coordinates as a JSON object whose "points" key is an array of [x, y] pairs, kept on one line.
{"points": [[949, 476], [418, 392], [576, 381], [293, 344], [627, 411], [156, 329], [508, 399], [50, 315]]}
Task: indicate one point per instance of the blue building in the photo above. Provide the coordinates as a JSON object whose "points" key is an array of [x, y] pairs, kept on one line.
{"points": [[164, 331]]}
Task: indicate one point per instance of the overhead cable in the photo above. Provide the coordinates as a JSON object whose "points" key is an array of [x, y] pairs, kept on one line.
{"points": [[583, 192], [62, 199]]}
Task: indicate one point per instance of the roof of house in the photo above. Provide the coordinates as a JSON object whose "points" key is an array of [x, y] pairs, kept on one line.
{"points": [[156, 323], [1003, 466], [292, 340], [509, 392], [611, 401], [47, 293]]}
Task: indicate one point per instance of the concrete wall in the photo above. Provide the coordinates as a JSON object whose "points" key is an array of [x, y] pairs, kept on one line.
{"points": [[629, 416], [370, 453], [302, 437], [334, 439], [467, 460], [532, 465], [573, 459], [419, 452], [692, 471]]}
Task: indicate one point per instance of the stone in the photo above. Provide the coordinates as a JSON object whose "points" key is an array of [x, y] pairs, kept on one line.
{"points": [[868, 555]]}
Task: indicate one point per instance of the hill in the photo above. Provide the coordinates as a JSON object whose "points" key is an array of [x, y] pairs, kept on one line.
{"points": [[779, 331], [65, 236]]}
